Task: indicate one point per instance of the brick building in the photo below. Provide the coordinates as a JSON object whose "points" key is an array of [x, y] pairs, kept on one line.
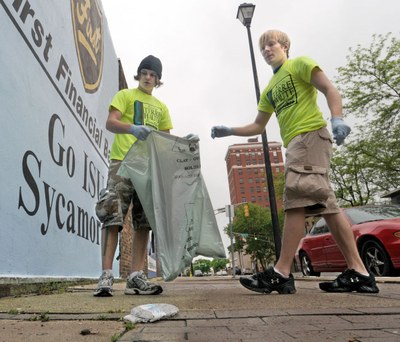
{"points": [[246, 171]]}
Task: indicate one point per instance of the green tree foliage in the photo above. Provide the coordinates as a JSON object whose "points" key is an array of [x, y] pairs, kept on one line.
{"points": [[350, 174], [219, 264], [204, 265], [279, 184], [253, 234], [369, 164]]}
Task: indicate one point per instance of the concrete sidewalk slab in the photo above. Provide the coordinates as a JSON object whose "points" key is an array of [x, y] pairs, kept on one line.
{"points": [[211, 309]]}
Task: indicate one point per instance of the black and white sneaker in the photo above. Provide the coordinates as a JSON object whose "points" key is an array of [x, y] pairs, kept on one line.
{"points": [[104, 286], [137, 284], [268, 281], [350, 281]]}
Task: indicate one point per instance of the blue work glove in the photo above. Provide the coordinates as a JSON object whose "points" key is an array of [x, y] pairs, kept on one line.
{"points": [[191, 136], [140, 132], [340, 130], [221, 131]]}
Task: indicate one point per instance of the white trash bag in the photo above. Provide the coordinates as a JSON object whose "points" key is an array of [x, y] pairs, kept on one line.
{"points": [[166, 173], [151, 312]]}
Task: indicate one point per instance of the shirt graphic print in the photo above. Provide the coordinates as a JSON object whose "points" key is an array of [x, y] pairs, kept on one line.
{"points": [[146, 114], [283, 94]]}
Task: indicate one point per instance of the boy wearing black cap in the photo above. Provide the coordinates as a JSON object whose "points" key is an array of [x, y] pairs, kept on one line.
{"points": [[133, 114]]}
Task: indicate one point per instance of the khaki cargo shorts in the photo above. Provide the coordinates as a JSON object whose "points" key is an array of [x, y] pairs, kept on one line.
{"points": [[116, 199], [307, 165]]}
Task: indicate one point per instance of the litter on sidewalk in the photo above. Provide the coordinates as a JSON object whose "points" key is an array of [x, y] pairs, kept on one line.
{"points": [[151, 312]]}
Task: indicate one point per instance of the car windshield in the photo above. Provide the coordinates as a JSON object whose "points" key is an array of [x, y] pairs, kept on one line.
{"points": [[373, 213]]}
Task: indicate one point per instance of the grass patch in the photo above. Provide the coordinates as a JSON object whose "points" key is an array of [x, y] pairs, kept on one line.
{"points": [[127, 327]]}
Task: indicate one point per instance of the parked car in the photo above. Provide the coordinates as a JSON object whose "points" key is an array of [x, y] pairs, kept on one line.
{"points": [[198, 273], [377, 232], [247, 271], [238, 271]]}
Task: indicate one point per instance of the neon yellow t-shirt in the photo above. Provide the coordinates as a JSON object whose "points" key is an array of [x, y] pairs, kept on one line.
{"points": [[137, 108], [293, 99]]}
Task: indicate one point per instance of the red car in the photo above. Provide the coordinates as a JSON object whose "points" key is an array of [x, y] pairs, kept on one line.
{"points": [[377, 233]]}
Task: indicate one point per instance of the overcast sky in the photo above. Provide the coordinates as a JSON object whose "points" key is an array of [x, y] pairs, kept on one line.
{"points": [[207, 74]]}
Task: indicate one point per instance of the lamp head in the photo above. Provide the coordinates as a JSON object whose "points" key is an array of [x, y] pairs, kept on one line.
{"points": [[245, 13]]}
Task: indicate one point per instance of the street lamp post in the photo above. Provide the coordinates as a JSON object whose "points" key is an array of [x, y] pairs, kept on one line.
{"points": [[245, 15], [230, 212]]}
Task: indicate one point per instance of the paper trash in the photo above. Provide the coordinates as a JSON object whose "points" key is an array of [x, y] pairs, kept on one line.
{"points": [[151, 312]]}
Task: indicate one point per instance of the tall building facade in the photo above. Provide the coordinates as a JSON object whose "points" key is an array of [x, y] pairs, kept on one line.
{"points": [[246, 171]]}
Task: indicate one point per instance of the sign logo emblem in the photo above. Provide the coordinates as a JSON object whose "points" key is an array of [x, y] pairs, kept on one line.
{"points": [[87, 21]]}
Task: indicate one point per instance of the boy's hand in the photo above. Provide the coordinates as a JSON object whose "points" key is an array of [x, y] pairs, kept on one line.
{"points": [[221, 131], [340, 130], [191, 136], [140, 132]]}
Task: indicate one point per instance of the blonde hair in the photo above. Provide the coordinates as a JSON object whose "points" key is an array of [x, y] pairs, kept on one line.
{"points": [[281, 37]]}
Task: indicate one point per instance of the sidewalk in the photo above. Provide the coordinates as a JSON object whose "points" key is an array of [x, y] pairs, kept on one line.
{"points": [[210, 309]]}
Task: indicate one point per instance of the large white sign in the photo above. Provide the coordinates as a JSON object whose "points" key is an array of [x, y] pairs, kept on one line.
{"points": [[58, 73]]}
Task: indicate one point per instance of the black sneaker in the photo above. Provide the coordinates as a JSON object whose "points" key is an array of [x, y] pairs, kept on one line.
{"points": [[268, 281], [350, 281]]}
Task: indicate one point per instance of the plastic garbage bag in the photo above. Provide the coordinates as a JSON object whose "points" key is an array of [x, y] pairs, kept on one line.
{"points": [[166, 172], [151, 312]]}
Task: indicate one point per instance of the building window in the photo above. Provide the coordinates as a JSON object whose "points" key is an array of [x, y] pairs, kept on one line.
{"points": [[241, 180], [250, 180], [258, 189], [264, 189], [253, 199], [244, 199], [251, 189], [242, 190]]}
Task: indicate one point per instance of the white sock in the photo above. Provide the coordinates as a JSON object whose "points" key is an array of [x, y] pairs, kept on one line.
{"points": [[283, 275]]}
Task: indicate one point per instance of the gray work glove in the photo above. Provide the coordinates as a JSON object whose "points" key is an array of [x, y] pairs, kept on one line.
{"points": [[191, 136], [340, 130], [221, 131], [141, 132]]}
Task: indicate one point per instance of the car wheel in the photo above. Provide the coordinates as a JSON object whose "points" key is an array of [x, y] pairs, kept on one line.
{"points": [[306, 267], [375, 259]]}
